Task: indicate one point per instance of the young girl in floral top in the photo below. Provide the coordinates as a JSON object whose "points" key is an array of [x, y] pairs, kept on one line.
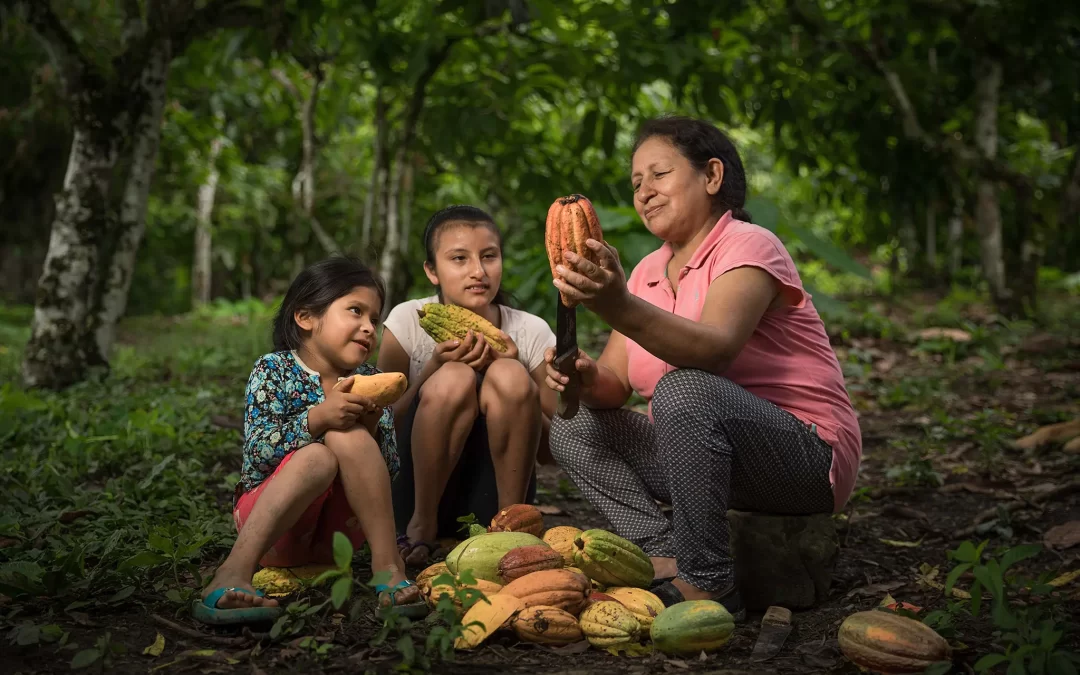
{"points": [[316, 459]]}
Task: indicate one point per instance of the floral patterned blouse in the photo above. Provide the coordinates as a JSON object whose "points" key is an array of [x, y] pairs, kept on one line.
{"points": [[280, 391]]}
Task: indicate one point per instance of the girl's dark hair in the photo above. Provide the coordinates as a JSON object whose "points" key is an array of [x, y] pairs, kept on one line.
{"points": [[315, 289], [461, 213], [699, 141]]}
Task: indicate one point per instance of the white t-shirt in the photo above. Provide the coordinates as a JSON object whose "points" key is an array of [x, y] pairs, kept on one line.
{"points": [[530, 333]]}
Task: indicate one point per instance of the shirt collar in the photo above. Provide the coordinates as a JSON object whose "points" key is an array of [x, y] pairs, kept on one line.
{"points": [[303, 365], [657, 271]]}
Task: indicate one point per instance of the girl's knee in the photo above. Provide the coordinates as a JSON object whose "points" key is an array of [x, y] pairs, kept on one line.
{"points": [[318, 462], [453, 384], [507, 381]]}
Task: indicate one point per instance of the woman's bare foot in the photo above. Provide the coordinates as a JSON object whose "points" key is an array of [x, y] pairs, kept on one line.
{"points": [[226, 578], [664, 568], [396, 568]]}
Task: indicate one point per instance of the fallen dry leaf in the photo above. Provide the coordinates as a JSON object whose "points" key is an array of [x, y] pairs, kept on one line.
{"points": [[1053, 433], [579, 647], [901, 544], [157, 647], [876, 589], [1063, 536], [1064, 579], [954, 334], [549, 510]]}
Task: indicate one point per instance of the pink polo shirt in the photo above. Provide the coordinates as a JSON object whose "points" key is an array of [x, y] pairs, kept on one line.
{"points": [[787, 360]]}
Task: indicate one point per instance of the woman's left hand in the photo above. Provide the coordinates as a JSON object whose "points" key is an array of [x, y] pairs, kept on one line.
{"points": [[594, 285]]}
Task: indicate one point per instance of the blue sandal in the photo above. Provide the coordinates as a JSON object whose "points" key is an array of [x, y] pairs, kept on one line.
{"points": [[413, 610], [207, 611]]}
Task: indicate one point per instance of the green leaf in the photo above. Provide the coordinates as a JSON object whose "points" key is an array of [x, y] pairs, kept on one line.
{"points": [[1061, 664], [144, 559], [160, 542], [1018, 553], [764, 212], [939, 668], [828, 251], [343, 550], [1016, 666], [965, 552], [121, 595], [340, 591], [28, 634], [989, 661], [950, 580], [85, 658]]}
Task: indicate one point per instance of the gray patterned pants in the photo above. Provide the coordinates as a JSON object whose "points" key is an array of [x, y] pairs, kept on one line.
{"points": [[713, 446]]}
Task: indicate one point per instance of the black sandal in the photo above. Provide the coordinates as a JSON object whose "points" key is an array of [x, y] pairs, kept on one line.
{"points": [[731, 599]]}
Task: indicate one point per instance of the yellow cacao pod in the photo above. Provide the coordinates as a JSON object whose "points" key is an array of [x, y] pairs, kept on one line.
{"points": [[450, 322]]}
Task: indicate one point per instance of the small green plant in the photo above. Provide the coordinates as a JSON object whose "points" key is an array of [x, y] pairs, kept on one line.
{"points": [[917, 469], [101, 653], [1024, 611]]}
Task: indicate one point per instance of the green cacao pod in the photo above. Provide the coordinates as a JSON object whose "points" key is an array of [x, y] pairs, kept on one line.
{"points": [[611, 560], [691, 627], [482, 553], [450, 322]]}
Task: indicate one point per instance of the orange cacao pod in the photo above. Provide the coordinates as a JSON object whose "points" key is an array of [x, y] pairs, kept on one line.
{"points": [[518, 518], [547, 626], [527, 559], [555, 588], [570, 221]]}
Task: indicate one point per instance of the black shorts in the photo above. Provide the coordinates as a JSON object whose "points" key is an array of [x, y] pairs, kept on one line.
{"points": [[471, 487]]}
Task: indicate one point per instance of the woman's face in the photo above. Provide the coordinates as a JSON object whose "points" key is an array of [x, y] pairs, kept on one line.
{"points": [[673, 199], [468, 265]]}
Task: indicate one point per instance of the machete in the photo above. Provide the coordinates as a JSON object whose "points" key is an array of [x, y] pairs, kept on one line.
{"points": [[566, 353], [775, 626]]}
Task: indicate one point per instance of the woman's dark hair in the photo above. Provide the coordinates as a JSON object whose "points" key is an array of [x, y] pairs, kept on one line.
{"points": [[315, 289], [453, 215], [699, 141]]}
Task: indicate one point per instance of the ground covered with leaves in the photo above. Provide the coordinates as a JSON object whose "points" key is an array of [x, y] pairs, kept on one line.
{"points": [[115, 495]]}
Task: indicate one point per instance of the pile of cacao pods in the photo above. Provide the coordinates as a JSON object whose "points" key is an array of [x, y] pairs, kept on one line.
{"points": [[562, 585]]}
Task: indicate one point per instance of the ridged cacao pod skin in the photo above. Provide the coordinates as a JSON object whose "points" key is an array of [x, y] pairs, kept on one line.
{"points": [[547, 626], [889, 643], [691, 627], [424, 579], [611, 560], [518, 518], [482, 553], [450, 322], [528, 559], [571, 220], [609, 623], [552, 588], [644, 604], [561, 538]]}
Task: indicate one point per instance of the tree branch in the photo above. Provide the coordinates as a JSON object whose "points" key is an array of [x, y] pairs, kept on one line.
{"points": [[279, 75], [134, 27], [913, 129], [58, 41], [221, 14]]}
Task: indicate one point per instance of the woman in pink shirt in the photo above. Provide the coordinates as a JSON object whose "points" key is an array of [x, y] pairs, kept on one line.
{"points": [[747, 404]]}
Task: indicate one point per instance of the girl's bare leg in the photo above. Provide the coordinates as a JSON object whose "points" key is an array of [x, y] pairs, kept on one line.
{"points": [[366, 480], [444, 417], [510, 402], [284, 499]]}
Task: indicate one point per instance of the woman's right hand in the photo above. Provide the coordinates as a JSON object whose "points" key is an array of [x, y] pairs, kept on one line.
{"points": [[584, 364], [473, 351]]}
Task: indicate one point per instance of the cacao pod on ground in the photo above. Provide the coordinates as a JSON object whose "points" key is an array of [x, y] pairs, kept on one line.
{"points": [[889, 643], [608, 623], [554, 588], [518, 518], [644, 604], [691, 627], [527, 559], [547, 626], [561, 538], [482, 553], [612, 560]]}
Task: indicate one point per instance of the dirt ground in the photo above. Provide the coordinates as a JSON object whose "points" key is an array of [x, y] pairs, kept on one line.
{"points": [[888, 532]]}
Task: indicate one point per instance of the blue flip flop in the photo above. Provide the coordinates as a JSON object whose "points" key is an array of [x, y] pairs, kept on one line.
{"points": [[413, 610], [207, 611]]}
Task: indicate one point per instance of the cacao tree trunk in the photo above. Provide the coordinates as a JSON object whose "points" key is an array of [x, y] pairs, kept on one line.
{"points": [[378, 171], [391, 253], [930, 249], [956, 234], [406, 209], [987, 207], [909, 239], [202, 272]]}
